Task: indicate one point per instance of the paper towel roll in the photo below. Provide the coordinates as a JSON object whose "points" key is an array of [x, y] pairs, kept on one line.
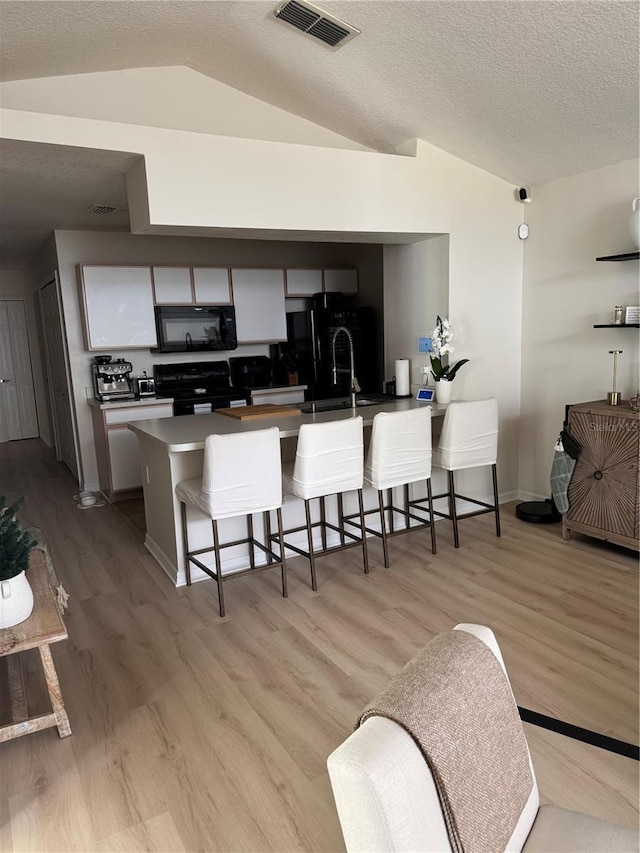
{"points": [[402, 377]]}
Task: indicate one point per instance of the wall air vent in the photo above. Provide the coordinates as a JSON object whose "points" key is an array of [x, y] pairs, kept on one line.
{"points": [[101, 209], [315, 22]]}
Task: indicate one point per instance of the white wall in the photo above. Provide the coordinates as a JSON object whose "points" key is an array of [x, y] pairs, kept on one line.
{"points": [[77, 247], [416, 293], [157, 97], [480, 257], [13, 284], [564, 359], [197, 181]]}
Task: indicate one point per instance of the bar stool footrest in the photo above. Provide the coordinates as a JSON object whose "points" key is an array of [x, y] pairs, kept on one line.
{"points": [[276, 559]]}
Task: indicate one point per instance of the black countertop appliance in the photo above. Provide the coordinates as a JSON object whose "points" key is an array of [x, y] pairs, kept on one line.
{"points": [[198, 387], [251, 371]]}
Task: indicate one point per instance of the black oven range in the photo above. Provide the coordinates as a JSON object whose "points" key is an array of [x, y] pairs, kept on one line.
{"points": [[198, 387]]}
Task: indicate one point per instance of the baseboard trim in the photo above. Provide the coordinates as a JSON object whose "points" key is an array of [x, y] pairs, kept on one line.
{"points": [[530, 496], [163, 561]]}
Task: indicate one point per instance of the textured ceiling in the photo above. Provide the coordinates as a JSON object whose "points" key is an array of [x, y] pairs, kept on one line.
{"points": [[43, 187], [529, 90]]}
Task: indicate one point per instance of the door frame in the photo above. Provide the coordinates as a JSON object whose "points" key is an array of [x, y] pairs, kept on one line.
{"points": [[54, 279], [28, 335]]}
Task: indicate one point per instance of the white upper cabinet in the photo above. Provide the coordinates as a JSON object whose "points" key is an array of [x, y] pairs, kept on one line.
{"points": [[118, 307], [172, 285], [303, 282], [340, 280], [258, 295], [212, 285]]}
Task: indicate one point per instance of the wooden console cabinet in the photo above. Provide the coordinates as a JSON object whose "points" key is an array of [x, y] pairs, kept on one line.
{"points": [[603, 492]]}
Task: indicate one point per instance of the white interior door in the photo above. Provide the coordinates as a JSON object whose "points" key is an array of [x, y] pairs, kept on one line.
{"points": [[18, 417], [58, 381]]}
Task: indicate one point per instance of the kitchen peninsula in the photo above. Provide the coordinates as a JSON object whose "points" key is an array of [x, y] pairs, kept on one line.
{"points": [[172, 450]]}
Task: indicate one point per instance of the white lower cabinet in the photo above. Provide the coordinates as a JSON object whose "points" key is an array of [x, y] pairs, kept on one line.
{"points": [[124, 458], [117, 451]]}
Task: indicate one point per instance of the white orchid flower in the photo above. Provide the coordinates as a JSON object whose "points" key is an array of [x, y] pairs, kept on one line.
{"points": [[441, 346]]}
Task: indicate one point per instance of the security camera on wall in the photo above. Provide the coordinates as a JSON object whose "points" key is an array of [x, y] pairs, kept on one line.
{"points": [[524, 195]]}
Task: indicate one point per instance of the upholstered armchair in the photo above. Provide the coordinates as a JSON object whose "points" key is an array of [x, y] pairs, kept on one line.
{"points": [[476, 792]]}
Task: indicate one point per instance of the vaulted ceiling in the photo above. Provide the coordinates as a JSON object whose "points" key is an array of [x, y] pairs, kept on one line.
{"points": [[529, 90]]}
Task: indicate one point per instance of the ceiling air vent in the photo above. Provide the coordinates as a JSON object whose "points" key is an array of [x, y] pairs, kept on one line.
{"points": [[101, 209], [315, 22]]}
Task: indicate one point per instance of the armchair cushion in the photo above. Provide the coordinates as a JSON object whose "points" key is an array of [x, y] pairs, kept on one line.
{"points": [[572, 832]]}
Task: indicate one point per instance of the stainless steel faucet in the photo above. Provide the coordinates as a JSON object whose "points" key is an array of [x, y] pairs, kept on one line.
{"points": [[354, 387]]}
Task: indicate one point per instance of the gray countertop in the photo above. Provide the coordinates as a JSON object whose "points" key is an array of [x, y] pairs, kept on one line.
{"points": [[188, 432], [132, 404], [154, 401]]}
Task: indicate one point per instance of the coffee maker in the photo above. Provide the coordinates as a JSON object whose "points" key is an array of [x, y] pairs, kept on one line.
{"points": [[112, 379]]}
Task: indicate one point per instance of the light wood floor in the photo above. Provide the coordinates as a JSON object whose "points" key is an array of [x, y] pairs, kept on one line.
{"points": [[201, 734]]}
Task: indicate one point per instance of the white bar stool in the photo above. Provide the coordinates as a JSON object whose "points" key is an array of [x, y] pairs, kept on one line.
{"points": [[399, 454], [241, 475], [329, 461], [469, 439]]}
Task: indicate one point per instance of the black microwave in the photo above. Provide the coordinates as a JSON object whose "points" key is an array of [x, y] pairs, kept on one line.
{"points": [[195, 328]]}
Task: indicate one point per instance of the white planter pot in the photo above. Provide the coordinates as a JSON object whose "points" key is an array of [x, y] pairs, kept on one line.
{"points": [[16, 601], [444, 390], [634, 222]]}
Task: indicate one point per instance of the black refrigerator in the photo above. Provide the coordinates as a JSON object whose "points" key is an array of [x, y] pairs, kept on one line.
{"points": [[309, 336]]}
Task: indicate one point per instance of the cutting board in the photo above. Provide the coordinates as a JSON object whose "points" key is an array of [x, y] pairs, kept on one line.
{"points": [[263, 410]]}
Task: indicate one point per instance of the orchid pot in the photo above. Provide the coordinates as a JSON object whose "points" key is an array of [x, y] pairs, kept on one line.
{"points": [[444, 390], [443, 373]]}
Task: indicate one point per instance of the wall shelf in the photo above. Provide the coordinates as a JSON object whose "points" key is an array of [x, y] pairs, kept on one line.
{"points": [[628, 256], [616, 326]]}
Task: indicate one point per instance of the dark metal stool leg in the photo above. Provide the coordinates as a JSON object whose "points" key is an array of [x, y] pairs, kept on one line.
{"points": [[341, 518], [323, 523], [185, 542], [495, 497], [407, 520], [312, 562], [383, 527], [252, 555], [432, 520], [267, 534], [452, 510], [391, 521], [285, 591], [365, 556], [216, 548]]}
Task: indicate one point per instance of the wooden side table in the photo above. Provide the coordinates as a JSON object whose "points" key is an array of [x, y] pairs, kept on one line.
{"points": [[43, 627]]}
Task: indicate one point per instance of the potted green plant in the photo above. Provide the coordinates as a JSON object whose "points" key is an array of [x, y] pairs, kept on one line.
{"points": [[443, 374], [16, 596]]}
